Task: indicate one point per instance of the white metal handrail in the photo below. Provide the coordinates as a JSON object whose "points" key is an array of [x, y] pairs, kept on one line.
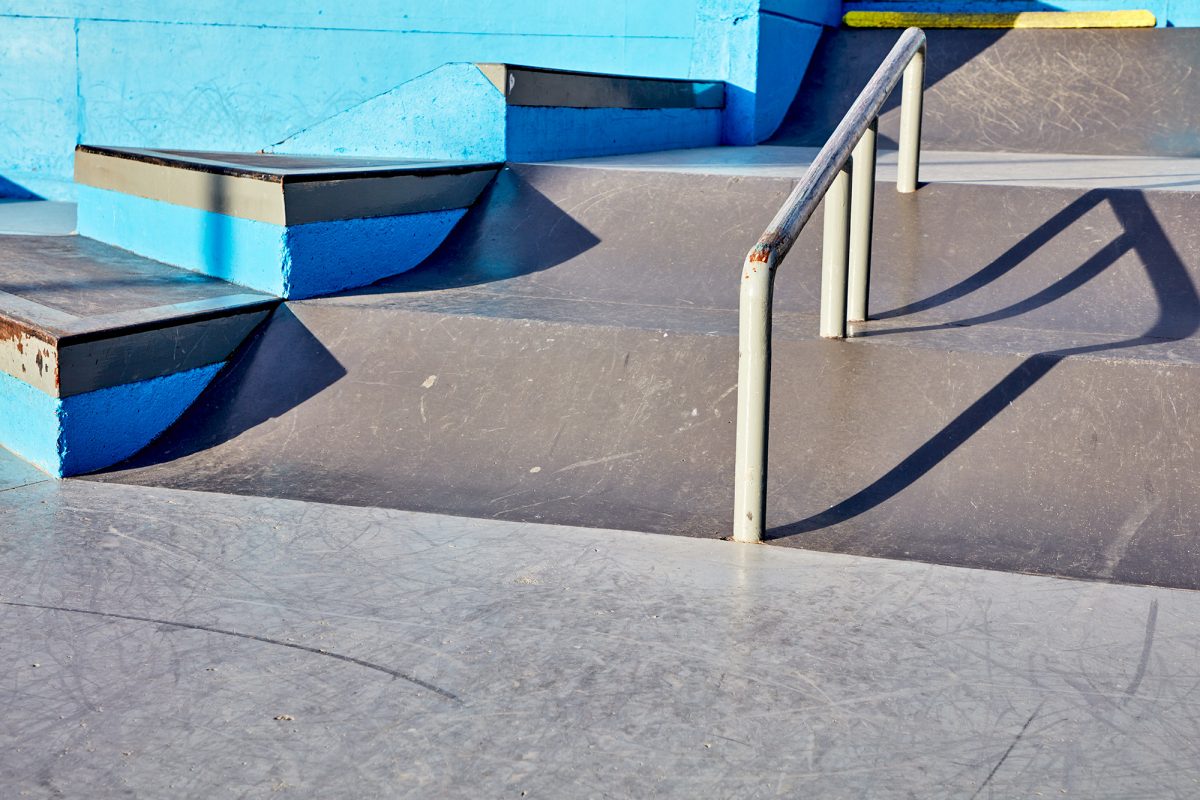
{"points": [[844, 175]]}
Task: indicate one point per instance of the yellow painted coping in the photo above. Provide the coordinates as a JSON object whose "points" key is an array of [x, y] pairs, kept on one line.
{"points": [[1131, 18]]}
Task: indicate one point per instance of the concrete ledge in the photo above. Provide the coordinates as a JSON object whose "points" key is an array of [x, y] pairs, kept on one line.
{"points": [[295, 261], [100, 350], [281, 189], [291, 225], [534, 86]]}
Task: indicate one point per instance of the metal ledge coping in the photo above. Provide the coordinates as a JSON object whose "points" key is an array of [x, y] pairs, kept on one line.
{"points": [[282, 189], [135, 319], [64, 355], [536, 86], [1128, 18], [282, 167]]}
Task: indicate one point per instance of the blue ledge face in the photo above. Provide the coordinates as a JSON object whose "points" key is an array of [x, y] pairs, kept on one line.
{"points": [[541, 133], [294, 261], [325, 257], [86, 432]]}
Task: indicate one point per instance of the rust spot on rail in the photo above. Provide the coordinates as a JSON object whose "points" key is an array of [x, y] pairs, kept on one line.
{"points": [[768, 244]]}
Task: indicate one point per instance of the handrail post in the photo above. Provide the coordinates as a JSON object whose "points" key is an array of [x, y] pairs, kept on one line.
{"points": [[835, 255], [911, 98], [754, 395], [862, 220], [843, 175]]}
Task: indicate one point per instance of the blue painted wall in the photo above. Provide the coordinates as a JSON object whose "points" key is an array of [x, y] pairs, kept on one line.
{"points": [[232, 75]]}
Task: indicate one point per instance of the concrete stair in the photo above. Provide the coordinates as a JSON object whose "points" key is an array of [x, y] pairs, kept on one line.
{"points": [[1023, 400], [294, 226], [100, 350], [317, 218]]}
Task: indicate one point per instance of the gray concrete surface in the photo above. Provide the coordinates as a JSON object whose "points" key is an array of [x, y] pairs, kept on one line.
{"points": [[164, 643], [36, 217], [77, 315], [1105, 92], [1025, 401], [1061, 170], [15, 472]]}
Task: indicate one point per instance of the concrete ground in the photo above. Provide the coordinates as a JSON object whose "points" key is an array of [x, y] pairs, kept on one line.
{"points": [[162, 643], [36, 217]]}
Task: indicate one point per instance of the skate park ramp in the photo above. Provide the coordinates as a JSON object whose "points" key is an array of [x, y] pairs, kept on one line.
{"points": [[1024, 400], [1103, 92]]}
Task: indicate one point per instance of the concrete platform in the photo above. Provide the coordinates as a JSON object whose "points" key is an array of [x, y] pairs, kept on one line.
{"points": [[162, 642], [290, 225], [1024, 401], [1101, 92], [36, 218]]}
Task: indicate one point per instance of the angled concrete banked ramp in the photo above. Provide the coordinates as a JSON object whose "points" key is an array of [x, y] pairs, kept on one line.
{"points": [[1106, 92], [1025, 400]]}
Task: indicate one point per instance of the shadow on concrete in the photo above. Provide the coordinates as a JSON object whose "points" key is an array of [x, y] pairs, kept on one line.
{"points": [[11, 190], [217, 231], [1178, 318], [511, 230], [825, 95], [245, 394]]}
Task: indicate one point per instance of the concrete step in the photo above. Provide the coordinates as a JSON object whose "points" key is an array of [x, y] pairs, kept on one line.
{"points": [[985, 168], [294, 226], [1025, 401], [1104, 92], [101, 350]]}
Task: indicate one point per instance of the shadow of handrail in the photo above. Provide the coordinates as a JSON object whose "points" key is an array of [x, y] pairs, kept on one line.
{"points": [[1175, 294]]}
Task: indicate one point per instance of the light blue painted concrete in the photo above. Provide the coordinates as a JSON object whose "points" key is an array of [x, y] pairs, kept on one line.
{"points": [[30, 424], [86, 432], [452, 112], [411, 120], [243, 251], [615, 18], [1168, 13], [233, 76], [38, 107], [547, 134], [325, 257], [295, 262]]}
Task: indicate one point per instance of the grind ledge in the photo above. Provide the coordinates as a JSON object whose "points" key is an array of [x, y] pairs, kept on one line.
{"points": [[101, 350], [292, 226]]}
